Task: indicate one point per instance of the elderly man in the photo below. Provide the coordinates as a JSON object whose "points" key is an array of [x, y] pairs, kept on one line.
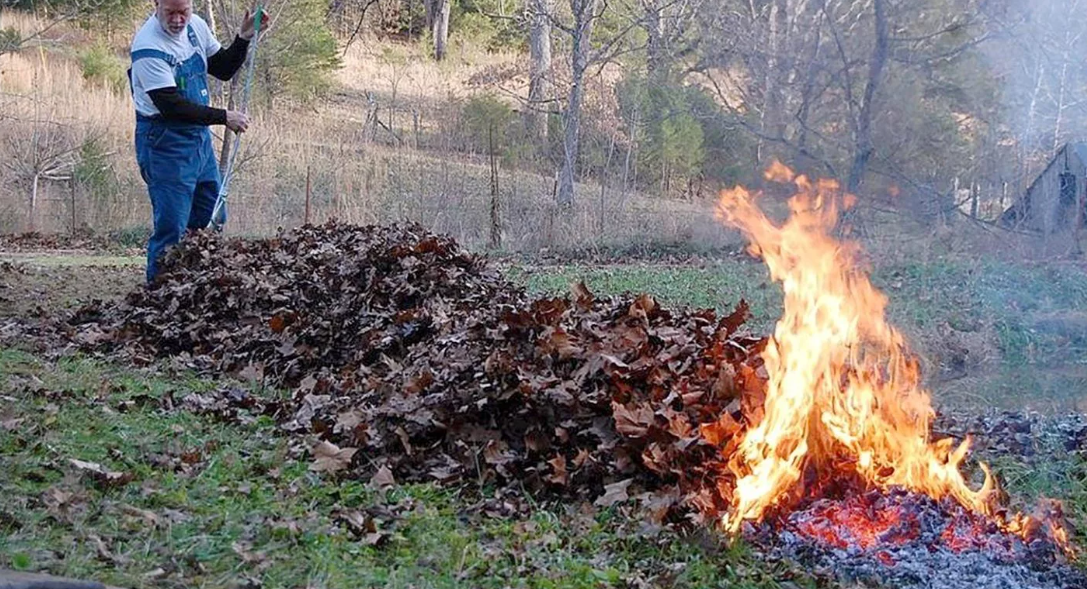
{"points": [[172, 54]]}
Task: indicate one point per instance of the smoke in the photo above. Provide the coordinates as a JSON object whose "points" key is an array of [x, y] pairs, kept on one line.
{"points": [[1036, 56]]}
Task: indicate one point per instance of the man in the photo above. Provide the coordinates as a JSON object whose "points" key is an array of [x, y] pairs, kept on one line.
{"points": [[172, 54]]}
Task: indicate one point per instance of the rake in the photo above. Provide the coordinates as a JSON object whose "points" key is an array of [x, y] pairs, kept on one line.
{"points": [[217, 214]]}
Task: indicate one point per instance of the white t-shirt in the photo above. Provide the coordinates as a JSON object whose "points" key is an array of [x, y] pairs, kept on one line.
{"points": [[150, 73]]}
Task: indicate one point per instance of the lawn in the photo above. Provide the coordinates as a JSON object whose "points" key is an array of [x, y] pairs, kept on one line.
{"points": [[185, 500], [109, 475]]}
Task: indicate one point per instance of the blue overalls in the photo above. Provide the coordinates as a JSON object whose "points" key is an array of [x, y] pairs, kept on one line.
{"points": [[177, 160]]}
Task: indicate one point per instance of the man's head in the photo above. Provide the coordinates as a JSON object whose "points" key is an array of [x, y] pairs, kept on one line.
{"points": [[173, 15]]}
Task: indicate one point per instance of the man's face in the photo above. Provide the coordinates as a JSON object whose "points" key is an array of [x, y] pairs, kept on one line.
{"points": [[174, 15]]}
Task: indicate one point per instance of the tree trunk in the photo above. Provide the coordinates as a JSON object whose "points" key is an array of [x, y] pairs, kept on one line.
{"points": [[773, 115], [539, 87], [438, 19], [33, 201], [1060, 103], [584, 15], [655, 50], [863, 147]]}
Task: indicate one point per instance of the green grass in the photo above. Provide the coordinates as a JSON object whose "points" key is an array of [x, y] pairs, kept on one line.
{"points": [[246, 506]]}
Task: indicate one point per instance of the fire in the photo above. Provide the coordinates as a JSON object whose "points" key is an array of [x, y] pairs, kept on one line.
{"points": [[843, 394]]}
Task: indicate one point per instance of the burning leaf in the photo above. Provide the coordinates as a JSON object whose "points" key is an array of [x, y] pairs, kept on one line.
{"points": [[720, 431], [614, 493], [841, 387], [331, 458]]}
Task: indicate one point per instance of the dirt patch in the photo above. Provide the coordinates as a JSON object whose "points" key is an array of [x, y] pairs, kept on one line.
{"points": [[31, 290]]}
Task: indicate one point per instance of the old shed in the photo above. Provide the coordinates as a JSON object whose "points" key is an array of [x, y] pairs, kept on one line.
{"points": [[1055, 201]]}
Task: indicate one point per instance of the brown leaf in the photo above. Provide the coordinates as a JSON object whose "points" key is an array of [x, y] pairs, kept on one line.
{"points": [[12, 424], [150, 518], [253, 373], [643, 307], [558, 474], [614, 493], [720, 431], [103, 551], [497, 452], [348, 420], [419, 383], [555, 340], [102, 476], [383, 478], [632, 422], [244, 550], [737, 318], [582, 296], [331, 458], [582, 457]]}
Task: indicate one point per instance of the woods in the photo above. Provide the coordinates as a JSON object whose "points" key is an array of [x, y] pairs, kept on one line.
{"points": [[932, 109]]}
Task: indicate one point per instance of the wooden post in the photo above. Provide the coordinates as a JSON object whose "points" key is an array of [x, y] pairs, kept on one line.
{"points": [[496, 223], [307, 193], [71, 183]]}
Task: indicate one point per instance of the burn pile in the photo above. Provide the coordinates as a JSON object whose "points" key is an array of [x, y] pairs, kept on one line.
{"points": [[412, 360]]}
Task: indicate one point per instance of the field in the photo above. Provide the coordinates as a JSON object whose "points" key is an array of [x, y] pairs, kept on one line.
{"points": [[215, 502]]}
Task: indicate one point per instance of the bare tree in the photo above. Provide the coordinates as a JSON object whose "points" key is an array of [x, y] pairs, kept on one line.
{"points": [[41, 150]]}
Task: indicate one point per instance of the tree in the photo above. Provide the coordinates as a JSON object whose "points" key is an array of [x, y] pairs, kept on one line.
{"points": [[437, 21], [539, 14], [585, 15]]}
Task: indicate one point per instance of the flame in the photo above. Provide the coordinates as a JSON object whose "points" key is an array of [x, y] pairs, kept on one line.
{"points": [[843, 392]]}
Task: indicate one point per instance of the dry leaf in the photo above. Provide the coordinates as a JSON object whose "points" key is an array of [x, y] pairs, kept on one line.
{"points": [[331, 458], [558, 474], [614, 493], [383, 478], [102, 476]]}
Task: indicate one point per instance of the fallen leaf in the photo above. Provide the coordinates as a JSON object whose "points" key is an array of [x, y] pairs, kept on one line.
{"points": [[102, 476], [383, 478], [614, 493], [633, 423], [558, 470], [582, 296], [331, 458], [150, 518]]}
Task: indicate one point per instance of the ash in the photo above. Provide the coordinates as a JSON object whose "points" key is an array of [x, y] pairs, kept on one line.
{"points": [[908, 541], [918, 567]]}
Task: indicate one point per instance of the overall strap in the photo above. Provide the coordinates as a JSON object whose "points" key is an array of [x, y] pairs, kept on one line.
{"points": [[154, 54], [192, 36]]}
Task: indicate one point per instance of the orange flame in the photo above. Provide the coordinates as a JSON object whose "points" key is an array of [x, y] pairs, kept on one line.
{"points": [[843, 390]]}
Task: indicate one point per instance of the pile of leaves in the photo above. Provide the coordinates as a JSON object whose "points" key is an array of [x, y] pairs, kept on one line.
{"points": [[412, 360]]}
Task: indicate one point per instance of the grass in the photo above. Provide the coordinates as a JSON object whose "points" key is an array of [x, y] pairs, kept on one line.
{"points": [[230, 504]]}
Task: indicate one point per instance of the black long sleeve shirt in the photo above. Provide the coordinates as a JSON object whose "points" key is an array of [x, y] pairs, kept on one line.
{"points": [[223, 65]]}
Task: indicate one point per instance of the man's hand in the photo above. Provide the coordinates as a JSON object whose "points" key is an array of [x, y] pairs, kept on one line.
{"points": [[237, 121], [249, 24]]}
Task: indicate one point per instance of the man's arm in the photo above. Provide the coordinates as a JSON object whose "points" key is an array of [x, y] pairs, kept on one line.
{"points": [[226, 62], [174, 107]]}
